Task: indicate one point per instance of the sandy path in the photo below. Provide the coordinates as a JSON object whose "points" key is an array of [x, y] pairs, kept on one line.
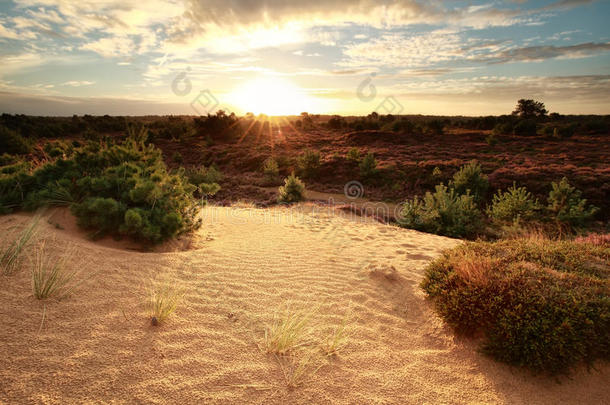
{"points": [[98, 345]]}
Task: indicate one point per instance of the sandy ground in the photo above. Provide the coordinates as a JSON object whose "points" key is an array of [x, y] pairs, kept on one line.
{"points": [[98, 346]]}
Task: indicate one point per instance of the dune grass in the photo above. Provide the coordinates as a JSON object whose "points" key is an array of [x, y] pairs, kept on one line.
{"points": [[14, 248], [163, 300], [300, 367], [51, 277], [339, 337], [288, 331]]}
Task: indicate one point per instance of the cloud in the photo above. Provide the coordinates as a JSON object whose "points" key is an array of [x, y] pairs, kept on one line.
{"points": [[413, 52], [539, 53], [111, 47], [76, 83]]}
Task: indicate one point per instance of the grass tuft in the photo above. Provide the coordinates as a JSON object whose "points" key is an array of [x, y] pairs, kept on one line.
{"points": [[288, 331], [339, 338], [163, 301], [51, 278], [12, 251]]}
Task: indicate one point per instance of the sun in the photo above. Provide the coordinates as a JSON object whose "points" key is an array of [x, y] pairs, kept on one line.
{"points": [[268, 96]]}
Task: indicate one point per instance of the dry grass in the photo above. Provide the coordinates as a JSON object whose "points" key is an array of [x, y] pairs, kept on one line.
{"points": [[13, 249], [288, 331], [163, 300], [474, 268], [339, 337], [300, 367], [51, 277]]}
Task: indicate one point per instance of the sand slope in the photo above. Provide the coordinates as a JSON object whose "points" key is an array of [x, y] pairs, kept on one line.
{"points": [[98, 345]]}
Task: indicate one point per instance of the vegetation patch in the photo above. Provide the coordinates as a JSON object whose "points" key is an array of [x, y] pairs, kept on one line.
{"points": [[538, 303], [112, 188]]}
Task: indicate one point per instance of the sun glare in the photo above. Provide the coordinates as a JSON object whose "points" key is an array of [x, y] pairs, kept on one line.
{"points": [[272, 97]]}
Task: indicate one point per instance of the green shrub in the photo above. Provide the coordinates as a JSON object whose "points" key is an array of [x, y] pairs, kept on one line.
{"points": [[526, 127], [13, 143], [271, 170], [309, 163], [293, 190], [443, 212], [566, 206], [470, 178], [203, 175], [121, 189], [513, 205], [368, 166], [353, 155], [540, 304]]}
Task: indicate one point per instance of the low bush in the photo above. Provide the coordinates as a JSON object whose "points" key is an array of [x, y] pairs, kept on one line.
{"points": [[121, 189], [293, 190], [271, 170], [538, 303], [525, 127], [13, 143], [567, 208], [368, 166], [444, 212], [353, 155], [470, 179], [513, 205], [308, 163]]}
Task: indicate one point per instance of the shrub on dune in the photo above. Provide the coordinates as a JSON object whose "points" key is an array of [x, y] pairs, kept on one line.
{"points": [[121, 189], [539, 303], [566, 206], [513, 205], [443, 212], [293, 190]]}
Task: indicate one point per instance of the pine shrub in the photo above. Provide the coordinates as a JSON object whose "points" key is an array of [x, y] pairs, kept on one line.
{"points": [[293, 190], [470, 179], [566, 206], [443, 212], [513, 205]]}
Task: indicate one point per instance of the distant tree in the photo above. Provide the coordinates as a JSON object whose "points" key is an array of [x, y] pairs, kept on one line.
{"points": [[530, 109]]}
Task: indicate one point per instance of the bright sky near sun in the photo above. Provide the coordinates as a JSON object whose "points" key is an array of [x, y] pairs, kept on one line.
{"points": [[134, 57]]}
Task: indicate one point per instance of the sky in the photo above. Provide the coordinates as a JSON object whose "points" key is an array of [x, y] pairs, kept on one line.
{"points": [[158, 57]]}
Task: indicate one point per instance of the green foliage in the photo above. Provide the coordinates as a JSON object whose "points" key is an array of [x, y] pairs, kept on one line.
{"points": [[525, 127], [208, 189], [513, 205], [368, 166], [122, 189], [177, 158], [309, 163], [540, 304], [444, 212], [436, 172], [271, 170], [470, 178], [12, 142], [353, 155], [293, 190], [204, 175], [567, 207]]}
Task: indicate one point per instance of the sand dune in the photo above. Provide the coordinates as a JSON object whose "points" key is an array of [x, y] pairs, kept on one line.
{"points": [[244, 266]]}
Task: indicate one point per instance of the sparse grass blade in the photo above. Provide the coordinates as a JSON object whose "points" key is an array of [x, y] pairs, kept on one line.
{"points": [[164, 299], [339, 338], [13, 250], [288, 331], [51, 277], [300, 368]]}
